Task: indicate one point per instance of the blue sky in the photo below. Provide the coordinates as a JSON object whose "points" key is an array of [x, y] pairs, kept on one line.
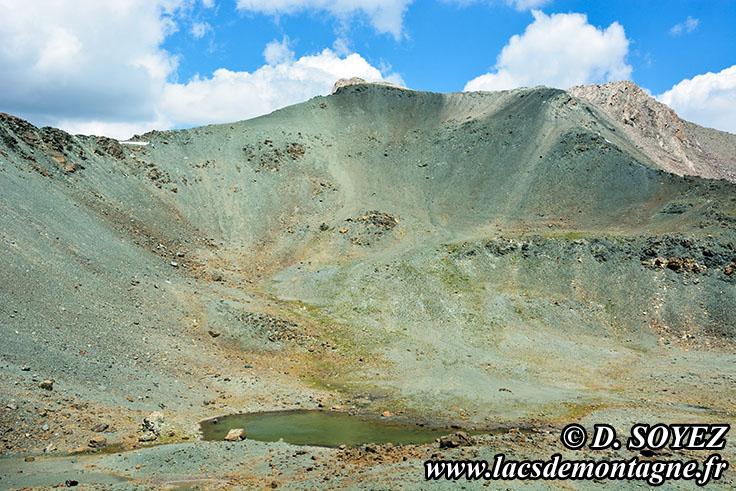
{"points": [[443, 45], [125, 66]]}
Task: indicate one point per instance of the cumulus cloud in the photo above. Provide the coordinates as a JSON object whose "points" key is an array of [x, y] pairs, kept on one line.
{"points": [[708, 99], [84, 58], [559, 50], [688, 26], [386, 16], [277, 52], [98, 68], [231, 96]]}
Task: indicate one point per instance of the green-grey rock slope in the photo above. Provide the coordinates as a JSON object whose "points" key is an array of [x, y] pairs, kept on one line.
{"points": [[486, 257]]}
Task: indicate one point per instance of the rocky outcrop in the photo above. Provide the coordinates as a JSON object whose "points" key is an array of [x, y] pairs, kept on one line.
{"points": [[152, 427], [676, 145], [345, 82], [46, 150]]}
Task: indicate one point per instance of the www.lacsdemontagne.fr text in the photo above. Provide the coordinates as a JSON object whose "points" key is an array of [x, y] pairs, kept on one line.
{"points": [[653, 472]]}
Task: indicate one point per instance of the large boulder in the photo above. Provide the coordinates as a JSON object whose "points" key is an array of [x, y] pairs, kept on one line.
{"points": [[235, 435], [154, 423], [459, 439]]}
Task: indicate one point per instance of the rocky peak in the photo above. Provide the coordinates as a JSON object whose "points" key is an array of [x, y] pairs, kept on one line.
{"points": [[632, 106], [345, 82], [675, 144]]}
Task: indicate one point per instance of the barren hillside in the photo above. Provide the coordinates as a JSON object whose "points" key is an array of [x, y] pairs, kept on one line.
{"points": [[484, 260]]}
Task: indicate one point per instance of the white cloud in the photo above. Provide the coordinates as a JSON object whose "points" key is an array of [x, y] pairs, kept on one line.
{"points": [[386, 16], [708, 99], [559, 50], [199, 29], [688, 26], [691, 24], [341, 46], [278, 52], [114, 129], [98, 68], [520, 5], [526, 4], [231, 96], [84, 58]]}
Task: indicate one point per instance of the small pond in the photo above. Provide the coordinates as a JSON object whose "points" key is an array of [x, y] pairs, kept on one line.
{"points": [[318, 428]]}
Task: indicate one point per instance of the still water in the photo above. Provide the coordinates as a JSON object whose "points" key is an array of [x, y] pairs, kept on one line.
{"points": [[319, 428]]}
